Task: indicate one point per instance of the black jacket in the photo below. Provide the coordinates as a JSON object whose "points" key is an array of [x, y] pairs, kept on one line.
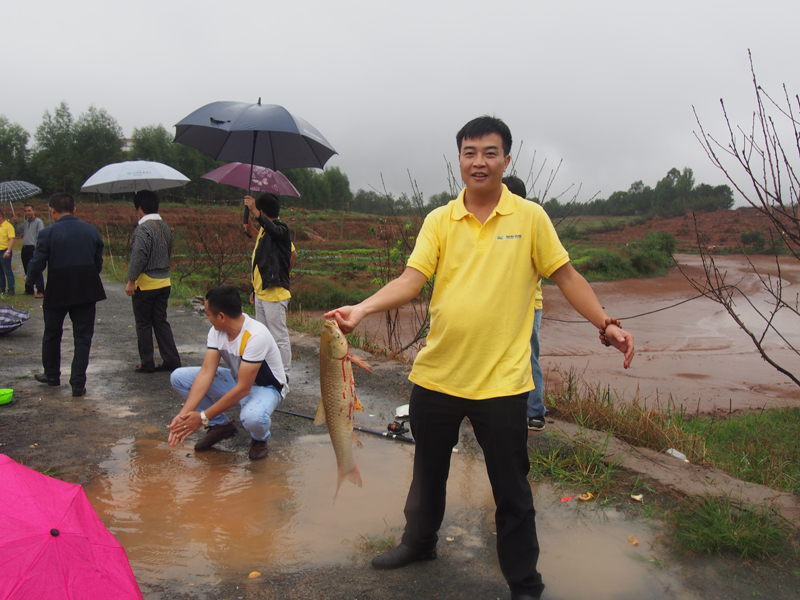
{"points": [[273, 253], [72, 251]]}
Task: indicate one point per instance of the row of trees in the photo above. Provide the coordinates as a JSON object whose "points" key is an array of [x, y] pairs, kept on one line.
{"points": [[67, 151], [673, 196]]}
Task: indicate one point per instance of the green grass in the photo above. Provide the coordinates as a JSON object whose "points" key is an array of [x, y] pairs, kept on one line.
{"points": [[760, 447], [574, 463], [720, 525]]}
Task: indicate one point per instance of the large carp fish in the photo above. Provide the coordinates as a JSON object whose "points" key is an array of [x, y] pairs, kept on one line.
{"points": [[339, 403]]}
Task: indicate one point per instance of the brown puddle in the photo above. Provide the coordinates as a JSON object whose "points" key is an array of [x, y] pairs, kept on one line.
{"points": [[201, 518]]}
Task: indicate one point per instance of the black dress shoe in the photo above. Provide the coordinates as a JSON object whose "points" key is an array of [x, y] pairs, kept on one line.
{"points": [[524, 596], [168, 368], [78, 392], [42, 378], [401, 556]]}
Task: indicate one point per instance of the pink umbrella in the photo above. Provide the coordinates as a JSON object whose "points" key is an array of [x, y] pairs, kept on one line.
{"points": [[53, 545], [263, 179]]}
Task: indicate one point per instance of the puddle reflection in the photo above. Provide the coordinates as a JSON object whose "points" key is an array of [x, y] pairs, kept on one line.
{"points": [[200, 518]]}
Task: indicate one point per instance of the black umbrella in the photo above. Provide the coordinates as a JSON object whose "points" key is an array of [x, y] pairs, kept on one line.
{"points": [[257, 134]]}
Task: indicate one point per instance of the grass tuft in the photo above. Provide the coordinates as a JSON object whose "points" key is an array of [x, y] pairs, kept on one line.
{"points": [[721, 525]]}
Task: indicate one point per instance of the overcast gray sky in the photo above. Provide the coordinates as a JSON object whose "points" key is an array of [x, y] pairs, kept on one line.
{"points": [[606, 86]]}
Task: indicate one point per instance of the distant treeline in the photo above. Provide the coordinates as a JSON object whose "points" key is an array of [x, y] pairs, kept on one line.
{"points": [[66, 152], [672, 197]]}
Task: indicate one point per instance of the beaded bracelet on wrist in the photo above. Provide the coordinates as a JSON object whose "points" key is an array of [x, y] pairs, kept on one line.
{"points": [[602, 330]]}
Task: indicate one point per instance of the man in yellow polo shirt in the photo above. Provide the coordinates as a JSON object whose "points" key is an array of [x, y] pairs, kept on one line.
{"points": [[149, 285], [7, 238], [487, 249]]}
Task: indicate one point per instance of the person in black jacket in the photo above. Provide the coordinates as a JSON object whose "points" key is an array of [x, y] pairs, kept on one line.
{"points": [[273, 259], [72, 251]]}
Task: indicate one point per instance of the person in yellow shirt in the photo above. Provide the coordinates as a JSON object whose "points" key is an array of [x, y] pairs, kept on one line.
{"points": [[8, 236], [536, 408], [487, 248], [149, 285], [273, 257]]}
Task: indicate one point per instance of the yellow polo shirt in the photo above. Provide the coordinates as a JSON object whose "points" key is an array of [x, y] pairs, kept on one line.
{"points": [[7, 233], [482, 306], [271, 294]]}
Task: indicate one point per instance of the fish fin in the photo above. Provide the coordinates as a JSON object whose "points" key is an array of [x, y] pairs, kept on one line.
{"points": [[357, 406], [320, 418], [359, 444], [360, 362], [352, 476]]}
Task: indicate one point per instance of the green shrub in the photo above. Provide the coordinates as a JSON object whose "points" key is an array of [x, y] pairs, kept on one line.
{"points": [[604, 264], [752, 238]]}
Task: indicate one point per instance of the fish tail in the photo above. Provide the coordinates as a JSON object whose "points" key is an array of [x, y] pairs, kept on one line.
{"points": [[353, 476]]}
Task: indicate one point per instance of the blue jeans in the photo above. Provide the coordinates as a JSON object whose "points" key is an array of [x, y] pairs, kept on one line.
{"points": [[536, 407], [255, 409], [6, 273]]}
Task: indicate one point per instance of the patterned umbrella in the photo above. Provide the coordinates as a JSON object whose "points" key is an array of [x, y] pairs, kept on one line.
{"points": [[12, 318], [17, 190], [253, 177]]}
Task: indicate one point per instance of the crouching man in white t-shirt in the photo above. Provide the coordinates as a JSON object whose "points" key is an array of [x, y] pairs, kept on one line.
{"points": [[255, 379]]}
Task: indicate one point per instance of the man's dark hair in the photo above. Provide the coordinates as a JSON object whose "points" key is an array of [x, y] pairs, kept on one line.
{"points": [[29, 206], [516, 186], [62, 203], [146, 200], [269, 205], [225, 299], [2, 214], [477, 128]]}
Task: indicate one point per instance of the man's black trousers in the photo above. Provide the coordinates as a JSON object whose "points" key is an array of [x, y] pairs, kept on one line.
{"points": [[82, 317], [150, 314], [27, 255], [500, 427]]}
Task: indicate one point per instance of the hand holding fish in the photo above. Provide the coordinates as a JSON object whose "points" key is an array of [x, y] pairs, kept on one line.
{"points": [[346, 317]]}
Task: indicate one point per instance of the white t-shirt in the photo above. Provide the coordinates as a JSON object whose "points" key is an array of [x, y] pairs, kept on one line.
{"points": [[254, 344]]}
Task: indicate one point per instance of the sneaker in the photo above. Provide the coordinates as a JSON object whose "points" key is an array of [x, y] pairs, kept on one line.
{"points": [[258, 450], [42, 378], [401, 556], [535, 424], [216, 433]]}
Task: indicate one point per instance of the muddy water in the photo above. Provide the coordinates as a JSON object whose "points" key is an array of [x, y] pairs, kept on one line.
{"points": [[201, 518], [693, 352]]}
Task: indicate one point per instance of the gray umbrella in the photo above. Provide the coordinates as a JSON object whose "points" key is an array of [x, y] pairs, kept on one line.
{"points": [[257, 134], [17, 190]]}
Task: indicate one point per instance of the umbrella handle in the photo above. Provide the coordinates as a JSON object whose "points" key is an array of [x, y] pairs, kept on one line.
{"points": [[245, 220]]}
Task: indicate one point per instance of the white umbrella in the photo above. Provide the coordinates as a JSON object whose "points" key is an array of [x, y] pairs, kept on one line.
{"points": [[133, 176]]}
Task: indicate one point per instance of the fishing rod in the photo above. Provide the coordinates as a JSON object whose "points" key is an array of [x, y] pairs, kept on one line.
{"points": [[384, 434]]}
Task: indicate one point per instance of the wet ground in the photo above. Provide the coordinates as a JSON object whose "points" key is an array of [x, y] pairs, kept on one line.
{"points": [[195, 525]]}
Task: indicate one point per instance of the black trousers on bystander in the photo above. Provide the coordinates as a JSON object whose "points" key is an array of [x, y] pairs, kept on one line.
{"points": [[150, 314], [82, 317]]}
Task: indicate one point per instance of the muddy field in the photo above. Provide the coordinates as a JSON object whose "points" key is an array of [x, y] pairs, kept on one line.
{"points": [[195, 526]]}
